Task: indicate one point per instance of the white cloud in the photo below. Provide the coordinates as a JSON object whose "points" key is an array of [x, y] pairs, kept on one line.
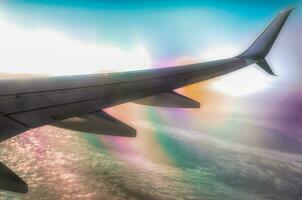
{"points": [[51, 52]]}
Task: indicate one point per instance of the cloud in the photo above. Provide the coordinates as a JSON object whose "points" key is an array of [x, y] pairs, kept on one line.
{"points": [[45, 51]]}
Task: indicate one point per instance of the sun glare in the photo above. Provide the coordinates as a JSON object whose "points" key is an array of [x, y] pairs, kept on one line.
{"points": [[243, 82], [238, 83]]}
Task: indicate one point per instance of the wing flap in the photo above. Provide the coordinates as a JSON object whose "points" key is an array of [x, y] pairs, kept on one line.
{"points": [[11, 181], [40, 117], [169, 99], [99, 123]]}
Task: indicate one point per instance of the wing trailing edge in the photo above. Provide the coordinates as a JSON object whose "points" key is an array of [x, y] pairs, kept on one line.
{"points": [[169, 99], [99, 123]]}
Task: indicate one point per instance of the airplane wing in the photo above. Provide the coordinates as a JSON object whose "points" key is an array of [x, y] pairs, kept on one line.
{"points": [[31, 103]]}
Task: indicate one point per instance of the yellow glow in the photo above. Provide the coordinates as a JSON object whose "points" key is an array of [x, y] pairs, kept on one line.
{"points": [[50, 52]]}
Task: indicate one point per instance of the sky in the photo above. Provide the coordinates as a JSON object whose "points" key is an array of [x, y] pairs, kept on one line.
{"points": [[67, 37], [80, 37]]}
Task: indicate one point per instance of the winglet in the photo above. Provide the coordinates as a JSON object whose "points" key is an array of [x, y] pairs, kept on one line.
{"points": [[262, 45], [265, 66]]}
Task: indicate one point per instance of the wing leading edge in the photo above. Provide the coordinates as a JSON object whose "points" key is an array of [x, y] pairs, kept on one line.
{"points": [[31, 103]]}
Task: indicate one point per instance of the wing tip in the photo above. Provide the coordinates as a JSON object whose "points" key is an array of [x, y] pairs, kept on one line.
{"points": [[288, 10], [264, 42]]}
